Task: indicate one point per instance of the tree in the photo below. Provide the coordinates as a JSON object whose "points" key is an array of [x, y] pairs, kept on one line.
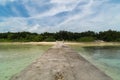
{"points": [[86, 39], [109, 36], [50, 39]]}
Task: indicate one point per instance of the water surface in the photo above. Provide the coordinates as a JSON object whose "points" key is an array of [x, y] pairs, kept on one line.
{"points": [[14, 58], [105, 58]]}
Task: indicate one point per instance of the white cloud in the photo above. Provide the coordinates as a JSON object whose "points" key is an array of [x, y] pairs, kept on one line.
{"points": [[58, 7], [88, 15], [107, 18], [34, 28], [111, 16], [13, 24], [85, 11], [3, 2]]}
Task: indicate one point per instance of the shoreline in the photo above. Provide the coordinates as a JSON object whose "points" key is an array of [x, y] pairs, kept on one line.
{"points": [[82, 44], [61, 62]]}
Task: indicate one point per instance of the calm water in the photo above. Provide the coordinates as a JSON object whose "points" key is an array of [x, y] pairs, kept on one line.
{"points": [[106, 58], [14, 58]]}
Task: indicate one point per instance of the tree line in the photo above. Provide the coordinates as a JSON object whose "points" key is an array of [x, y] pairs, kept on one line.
{"points": [[88, 36]]}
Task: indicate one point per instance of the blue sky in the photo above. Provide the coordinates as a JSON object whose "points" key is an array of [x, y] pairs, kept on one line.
{"points": [[54, 15]]}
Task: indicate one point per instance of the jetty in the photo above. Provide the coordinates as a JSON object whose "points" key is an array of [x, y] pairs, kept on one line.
{"points": [[61, 62]]}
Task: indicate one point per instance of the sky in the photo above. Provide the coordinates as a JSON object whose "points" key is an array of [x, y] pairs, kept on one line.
{"points": [[55, 15]]}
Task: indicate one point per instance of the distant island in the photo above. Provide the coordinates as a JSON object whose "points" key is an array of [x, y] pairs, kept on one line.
{"points": [[88, 36]]}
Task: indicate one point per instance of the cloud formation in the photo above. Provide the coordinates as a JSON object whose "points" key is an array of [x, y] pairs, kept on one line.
{"points": [[54, 15]]}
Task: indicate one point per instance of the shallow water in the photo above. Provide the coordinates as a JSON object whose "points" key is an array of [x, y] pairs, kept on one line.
{"points": [[105, 58], [14, 58]]}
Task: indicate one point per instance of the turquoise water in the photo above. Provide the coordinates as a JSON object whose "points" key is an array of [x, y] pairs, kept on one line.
{"points": [[14, 58], [105, 58]]}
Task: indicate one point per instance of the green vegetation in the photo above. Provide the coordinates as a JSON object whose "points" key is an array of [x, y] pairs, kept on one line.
{"points": [[88, 36], [86, 39]]}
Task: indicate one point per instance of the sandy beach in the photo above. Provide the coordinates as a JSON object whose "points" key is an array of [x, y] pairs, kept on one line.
{"points": [[67, 43]]}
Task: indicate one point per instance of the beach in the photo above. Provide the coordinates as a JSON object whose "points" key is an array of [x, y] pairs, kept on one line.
{"points": [[82, 44]]}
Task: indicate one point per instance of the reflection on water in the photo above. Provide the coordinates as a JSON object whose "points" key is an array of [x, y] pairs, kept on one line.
{"points": [[14, 58], [106, 58]]}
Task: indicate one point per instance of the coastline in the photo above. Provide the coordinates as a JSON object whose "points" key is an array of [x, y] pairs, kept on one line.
{"points": [[82, 44], [61, 62]]}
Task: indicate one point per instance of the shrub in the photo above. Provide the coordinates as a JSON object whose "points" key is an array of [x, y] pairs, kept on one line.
{"points": [[86, 39], [50, 39]]}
